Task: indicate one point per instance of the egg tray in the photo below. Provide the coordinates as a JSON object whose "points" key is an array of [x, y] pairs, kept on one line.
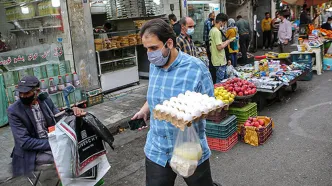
{"points": [[181, 124]]}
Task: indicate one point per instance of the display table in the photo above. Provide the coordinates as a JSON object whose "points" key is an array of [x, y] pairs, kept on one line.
{"points": [[278, 93], [318, 67]]}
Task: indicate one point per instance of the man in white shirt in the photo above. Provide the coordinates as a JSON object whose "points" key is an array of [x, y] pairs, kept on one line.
{"points": [[284, 33]]}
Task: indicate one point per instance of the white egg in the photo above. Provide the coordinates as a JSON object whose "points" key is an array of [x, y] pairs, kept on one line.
{"points": [[180, 115], [205, 109], [210, 106], [205, 97], [188, 93], [212, 99], [174, 100], [187, 117], [157, 107], [166, 103], [162, 108], [219, 103], [196, 113], [181, 96]]}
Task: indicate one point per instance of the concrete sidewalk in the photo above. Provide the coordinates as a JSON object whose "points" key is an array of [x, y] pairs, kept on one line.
{"points": [[117, 109]]}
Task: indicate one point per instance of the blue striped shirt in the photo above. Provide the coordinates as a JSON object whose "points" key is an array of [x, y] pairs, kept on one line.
{"points": [[186, 73]]}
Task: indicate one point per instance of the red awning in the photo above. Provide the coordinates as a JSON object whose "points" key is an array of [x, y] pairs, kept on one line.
{"points": [[301, 2]]}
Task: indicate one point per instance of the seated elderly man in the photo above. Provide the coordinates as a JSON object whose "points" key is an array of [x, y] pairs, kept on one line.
{"points": [[29, 119]]}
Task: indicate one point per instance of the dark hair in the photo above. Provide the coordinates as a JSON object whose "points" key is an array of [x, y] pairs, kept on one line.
{"points": [[108, 25], [210, 14], [221, 18], [329, 19], [284, 13], [172, 17], [159, 28], [267, 13], [183, 21], [304, 6], [239, 17]]}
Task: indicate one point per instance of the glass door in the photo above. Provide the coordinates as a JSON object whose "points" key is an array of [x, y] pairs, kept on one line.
{"points": [[199, 11]]}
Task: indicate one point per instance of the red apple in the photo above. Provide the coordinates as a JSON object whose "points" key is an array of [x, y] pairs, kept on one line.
{"points": [[239, 84], [261, 122], [240, 93], [256, 124], [254, 119], [247, 124], [246, 92], [250, 118], [230, 89]]}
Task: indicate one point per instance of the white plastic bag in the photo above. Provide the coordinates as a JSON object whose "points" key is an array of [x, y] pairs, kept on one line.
{"points": [[63, 142], [187, 152]]}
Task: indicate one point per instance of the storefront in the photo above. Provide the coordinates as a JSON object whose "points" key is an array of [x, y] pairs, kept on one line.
{"points": [[41, 39], [199, 11], [121, 58]]}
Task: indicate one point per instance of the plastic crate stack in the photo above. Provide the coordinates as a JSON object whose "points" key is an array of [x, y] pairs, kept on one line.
{"points": [[242, 114], [222, 136]]}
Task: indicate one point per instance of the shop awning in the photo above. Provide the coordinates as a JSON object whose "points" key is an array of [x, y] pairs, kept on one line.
{"points": [[301, 2]]}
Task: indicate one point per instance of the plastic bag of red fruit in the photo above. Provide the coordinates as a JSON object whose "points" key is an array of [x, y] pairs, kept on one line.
{"points": [[243, 89]]}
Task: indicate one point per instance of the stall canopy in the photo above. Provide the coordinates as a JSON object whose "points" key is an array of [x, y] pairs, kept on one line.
{"points": [[301, 2]]}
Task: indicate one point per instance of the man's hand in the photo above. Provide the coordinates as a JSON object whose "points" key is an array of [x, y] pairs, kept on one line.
{"points": [[78, 112], [143, 113], [286, 42]]}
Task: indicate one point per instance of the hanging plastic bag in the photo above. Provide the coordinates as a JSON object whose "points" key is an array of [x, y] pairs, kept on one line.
{"points": [[187, 152], [70, 158]]}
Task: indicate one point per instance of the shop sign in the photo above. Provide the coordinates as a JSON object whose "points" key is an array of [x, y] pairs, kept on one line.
{"points": [[32, 55]]}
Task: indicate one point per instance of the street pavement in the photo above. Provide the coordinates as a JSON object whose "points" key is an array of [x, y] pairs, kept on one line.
{"points": [[298, 152]]}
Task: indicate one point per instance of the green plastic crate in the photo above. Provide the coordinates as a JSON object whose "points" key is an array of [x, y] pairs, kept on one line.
{"points": [[244, 112], [219, 135], [222, 130]]}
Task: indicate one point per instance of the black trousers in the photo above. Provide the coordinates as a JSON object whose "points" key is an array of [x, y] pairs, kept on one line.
{"points": [[275, 37], [211, 67], [244, 44], [157, 175], [267, 37]]}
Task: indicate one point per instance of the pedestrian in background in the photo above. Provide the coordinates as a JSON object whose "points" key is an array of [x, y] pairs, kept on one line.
{"points": [[217, 46], [184, 41], [284, 33], [245, 34], [275, 25], [267, 31], [175, 24], [232, 32], [327, 25], [171, 72], [208, 24]]}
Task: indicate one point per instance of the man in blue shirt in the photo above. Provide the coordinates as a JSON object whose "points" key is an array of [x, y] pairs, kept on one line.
{"points": [[171, 72]]}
